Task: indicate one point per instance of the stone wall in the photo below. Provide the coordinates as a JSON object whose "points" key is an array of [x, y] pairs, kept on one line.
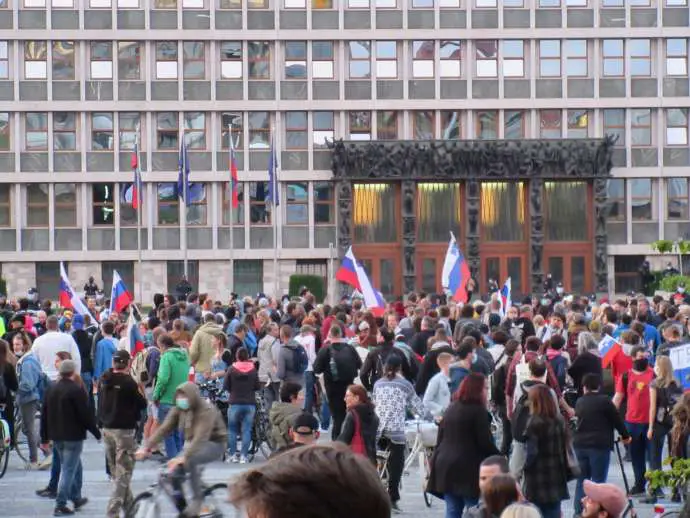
{"points": [[285, 269], [215, 279], [79, 274], [155, 276], [20, 277]]}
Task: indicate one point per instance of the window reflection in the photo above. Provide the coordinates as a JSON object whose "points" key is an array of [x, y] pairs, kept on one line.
{"points": [[503, 211], [374, 213], [565, 209], [439, 211]]}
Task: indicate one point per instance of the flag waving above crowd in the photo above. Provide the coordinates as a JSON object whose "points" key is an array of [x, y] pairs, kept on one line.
{"points": [[456, 272]]}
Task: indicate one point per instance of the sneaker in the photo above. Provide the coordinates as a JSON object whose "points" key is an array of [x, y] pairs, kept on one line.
{"points": [[396, 508], [46, 492], [235, 458], [46, 463], [33, 466], [62, 511], [243, 459], [80, 502]]}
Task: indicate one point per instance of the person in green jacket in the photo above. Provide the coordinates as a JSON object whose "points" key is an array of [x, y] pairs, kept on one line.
{"points": [[172, 372]]}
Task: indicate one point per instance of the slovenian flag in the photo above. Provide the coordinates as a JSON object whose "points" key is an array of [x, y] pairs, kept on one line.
{"points": [[234, 180], [347, 273], [137, 190], [680, 359], [608, 349], [504, 297], [136, 342], [456, 272], [120, 297], [373, 300], [68, 298]]}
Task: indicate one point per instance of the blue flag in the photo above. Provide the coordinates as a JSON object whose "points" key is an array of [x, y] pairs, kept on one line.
{"points": [[183, 174], [273, 191]]}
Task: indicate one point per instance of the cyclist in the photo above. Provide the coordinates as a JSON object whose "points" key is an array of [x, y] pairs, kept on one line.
{"points": [[205, 438]]}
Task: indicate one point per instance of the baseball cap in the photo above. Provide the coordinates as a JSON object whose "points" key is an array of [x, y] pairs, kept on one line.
{"points": [[305, 424], [609, 496], [78, 322], [121, 356], [67, 367]]}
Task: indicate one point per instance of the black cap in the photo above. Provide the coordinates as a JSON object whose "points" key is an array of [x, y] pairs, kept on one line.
{"points": [[121, 356], [305, 424]]}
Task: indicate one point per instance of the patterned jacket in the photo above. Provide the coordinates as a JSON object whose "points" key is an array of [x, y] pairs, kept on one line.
{"points": [[546, 467], [392, 398]]}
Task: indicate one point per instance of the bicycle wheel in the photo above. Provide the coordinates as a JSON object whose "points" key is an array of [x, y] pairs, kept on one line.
{"points": [[21, 442], [144, 505], [4, 451], [216, 503], [425, 471]]}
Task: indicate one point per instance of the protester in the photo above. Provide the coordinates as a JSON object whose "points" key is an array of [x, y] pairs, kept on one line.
{"points": [[282, 414], [31, 386], [361, 423], [52, 342], [203, 347], [437, 395], [603, 501], [373, 365], [490, 467], [304, 431], [293, 359], [8, 388], [241, 382]]}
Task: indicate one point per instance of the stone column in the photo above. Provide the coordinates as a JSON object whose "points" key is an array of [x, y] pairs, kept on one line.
{"points": [[409, 234], [600, 239], [536, 236], [344, 228], [472, 194]]}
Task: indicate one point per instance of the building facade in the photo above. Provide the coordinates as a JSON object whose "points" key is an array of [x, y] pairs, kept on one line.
{"points": [[82, 80]]}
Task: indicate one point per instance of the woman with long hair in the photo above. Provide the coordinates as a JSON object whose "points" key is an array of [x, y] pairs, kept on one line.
{"points": [[179, 335], [360, 424], [21, 344], [546, 466], [464, 441]]}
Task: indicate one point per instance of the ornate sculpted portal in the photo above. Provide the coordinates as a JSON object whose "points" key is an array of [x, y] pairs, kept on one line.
{"points": [[532, 161]]}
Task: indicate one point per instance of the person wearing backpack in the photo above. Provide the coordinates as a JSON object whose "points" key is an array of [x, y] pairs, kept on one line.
{"points": [[372, 370], [293, 359], [339, 363], [558, 359], [498, 391]]}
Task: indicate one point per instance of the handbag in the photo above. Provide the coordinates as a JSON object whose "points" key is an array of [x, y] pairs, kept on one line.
{"points": [[357, 444]]}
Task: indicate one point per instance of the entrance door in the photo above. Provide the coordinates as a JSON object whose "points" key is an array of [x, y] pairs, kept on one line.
{"points": [[384, 269], [501, 266], [573, 269]]}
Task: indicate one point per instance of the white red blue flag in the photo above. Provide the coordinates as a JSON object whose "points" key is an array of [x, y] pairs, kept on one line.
{"points": [[120, 297], [347, 273], [456, 272], [136, 342], [608, 349], [373, 300], [68, 297], [504, 296]]}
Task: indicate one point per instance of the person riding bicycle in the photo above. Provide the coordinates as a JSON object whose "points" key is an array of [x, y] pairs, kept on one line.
{"points": [[205, 439]]}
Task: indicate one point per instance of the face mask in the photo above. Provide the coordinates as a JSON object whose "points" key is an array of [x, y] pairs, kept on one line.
{"points": [[182, 403], [559, 291], [544, 302], [19, 354], [681, 290], [641, 365]]}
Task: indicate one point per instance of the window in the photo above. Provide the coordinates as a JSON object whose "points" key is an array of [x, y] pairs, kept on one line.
{"points": [[33, 3], [613, 58], [423, 58], [322, 60], [234, 119], [613, 3], [323, 128], [257, 4], [487, 125], [676, 198], [550, 58], [193, 60], [167, 131], [195, 130], [63, 60], [64, 131], [358, 4], [386, 60], [578, 123], [128, 4], [673, 3], [641, 198], [576, 61], [640, 57], [4, 60], [238, 212], [297, 207], [65, 208], [37, 205], [259, 53], [94, 4], [248, 276], [295, 4], [550, 124], [168, 204], [360, 125], [35, 60], [614, 125], [514, 124], [128, 60], [36, 131], [5, 205], [101, 59], [128, 129], [513, 58], [231, 4], [5, 131], [197, 209], [324, 203], [102, 131], [641, 127], [387, 125], [103, 203], [451, 58], [322, 4], [421, 4], [231, 60], [485, 3], [486, 57], [296, 130], [615, 189], [451, 125], [424, 125], [259, 212], [259, 130], [677, 57], [295, 60], [676, 126], [128, 214], [165, 4], [550, 3], [192, 4], [166, 59], [359, 59]]}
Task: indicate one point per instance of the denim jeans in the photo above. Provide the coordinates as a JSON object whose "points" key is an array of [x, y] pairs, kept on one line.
{"points": [[309, 391], [54, 471], [69, 486], [594, 466], [455, 504], [87, 378], [656, 446], [240, 417], [638, 451], [173, 441], [325, 413], [551, 510]]}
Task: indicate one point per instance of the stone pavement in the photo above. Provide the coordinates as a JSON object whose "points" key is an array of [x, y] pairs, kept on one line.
{"points": [[18, 500]]}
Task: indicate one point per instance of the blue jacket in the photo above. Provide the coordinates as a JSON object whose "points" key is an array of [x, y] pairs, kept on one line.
{"points": [[457, 374], [32, 380], [105, 348]]}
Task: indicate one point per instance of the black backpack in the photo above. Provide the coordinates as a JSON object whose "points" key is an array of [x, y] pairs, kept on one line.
{"points": [[559, 365], [343, 359], [300, 359]]}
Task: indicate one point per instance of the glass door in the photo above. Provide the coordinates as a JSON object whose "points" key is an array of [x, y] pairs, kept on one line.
{"points": [[500, 267], [573, 270]]}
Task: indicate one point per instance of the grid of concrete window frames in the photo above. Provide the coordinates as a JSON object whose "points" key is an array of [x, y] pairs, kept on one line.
{"points": [[580, 76]]}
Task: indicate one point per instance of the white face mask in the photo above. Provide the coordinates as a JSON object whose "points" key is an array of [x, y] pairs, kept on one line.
{"points": [[559, 291], [681, 290]]}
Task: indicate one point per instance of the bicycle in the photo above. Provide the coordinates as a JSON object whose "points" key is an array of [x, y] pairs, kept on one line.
{"points": [[261, 440], [422, 450], [159, 500], [21, 442], [5, 442]]}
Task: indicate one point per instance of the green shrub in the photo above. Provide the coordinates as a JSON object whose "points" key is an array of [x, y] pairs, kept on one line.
{"points": [[671, 283], [663, 246], [315, 283]]}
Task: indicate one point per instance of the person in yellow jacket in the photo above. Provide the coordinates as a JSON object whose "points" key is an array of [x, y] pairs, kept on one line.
{"points": [[203, 349]]}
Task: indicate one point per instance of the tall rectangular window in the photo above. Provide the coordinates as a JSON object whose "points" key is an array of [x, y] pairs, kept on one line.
{"points": [[296, 130], [487, 125], [513, 58], [165, 4], [676, 126], [167, 130], [6, 191], [439, 211], [259, 57], [297, 203], [486, 58], [451, 124], [195, 130], [102, 138], [576, 60], [424, 125], [129, 60], [5, 131], [129, 129], [128, 214], [374, 213], [613, 58], [641, 198], [502, 211], [550, 124], [237, 212], [641, 127], [387, 125], [63, 60], [386, 59], [324, 128], [248, 275], [4, 60], [677, 57], [36, 131], [35, 60], [101, 59], [166, 60], [259, 130], [359, 59], [64, 131], [168, 204], [65, 208], [295, 60], [259, 211], [197, 208], [578, 123], [103, 204], [322, 59], [550, 58], [231, 4], [614, 124], [423, 59], [234, 121], [193, 60], [37, 205], [450, 58], [640, 57], [677, 198], [324, 203], [514, 124], [359, 125], [615, 191], [231, 60]]}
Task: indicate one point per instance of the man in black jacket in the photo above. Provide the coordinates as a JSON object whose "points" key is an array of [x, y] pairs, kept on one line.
{"points": [[65, 419], [372, 370], [120, 404], [84, 341], [597, 418]]}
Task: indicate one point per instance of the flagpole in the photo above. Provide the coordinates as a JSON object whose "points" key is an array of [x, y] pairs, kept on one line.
{"points": [[231, 146], [275, 217], [185, 181], [139, 186]]}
